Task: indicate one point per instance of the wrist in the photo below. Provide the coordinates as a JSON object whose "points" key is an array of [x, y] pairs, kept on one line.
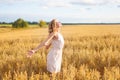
{"points": [[33, 51]]}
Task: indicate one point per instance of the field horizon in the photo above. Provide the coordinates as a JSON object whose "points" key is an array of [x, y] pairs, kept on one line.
{"points": [[85, 30]]}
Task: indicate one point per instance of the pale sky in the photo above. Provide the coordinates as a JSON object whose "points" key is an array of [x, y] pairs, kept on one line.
{"points": [[70, 11]]}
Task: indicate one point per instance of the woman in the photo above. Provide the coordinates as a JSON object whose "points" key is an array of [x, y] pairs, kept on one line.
{"points": [[55, 39]]}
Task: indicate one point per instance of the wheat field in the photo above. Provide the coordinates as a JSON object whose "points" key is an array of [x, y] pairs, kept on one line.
{"points": [[91, 52]]}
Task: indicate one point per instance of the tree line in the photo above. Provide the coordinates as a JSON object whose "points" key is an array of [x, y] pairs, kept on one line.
{"points": [[20, 23]]}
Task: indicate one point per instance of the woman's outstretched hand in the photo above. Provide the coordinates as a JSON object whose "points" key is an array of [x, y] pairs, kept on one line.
{"points": [[30, 53]]}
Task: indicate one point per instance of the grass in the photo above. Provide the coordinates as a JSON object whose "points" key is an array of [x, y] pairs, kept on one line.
{"points": [[91, 52]]}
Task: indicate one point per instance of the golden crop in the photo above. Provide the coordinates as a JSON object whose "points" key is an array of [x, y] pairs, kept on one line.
{"points": [[91, 52]]}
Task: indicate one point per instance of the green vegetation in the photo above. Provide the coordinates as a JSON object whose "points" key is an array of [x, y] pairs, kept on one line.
{"points": [[20, 23], [42, 23]]}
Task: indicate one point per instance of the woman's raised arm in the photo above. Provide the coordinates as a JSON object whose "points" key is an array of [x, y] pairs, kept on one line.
{"points": [[44, 43]]}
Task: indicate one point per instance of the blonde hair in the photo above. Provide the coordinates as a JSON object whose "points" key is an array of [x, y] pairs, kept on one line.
{"points": [[53, 26]]}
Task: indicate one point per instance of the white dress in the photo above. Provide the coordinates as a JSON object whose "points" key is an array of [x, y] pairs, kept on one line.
{"points": [[54, 57]]}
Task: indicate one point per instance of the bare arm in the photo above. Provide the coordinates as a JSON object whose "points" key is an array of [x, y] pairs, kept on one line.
{"points": [[44, 43], [47, 47]]}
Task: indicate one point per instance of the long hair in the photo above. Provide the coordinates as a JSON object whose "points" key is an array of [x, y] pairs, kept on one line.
{"points": [[52, 26]]}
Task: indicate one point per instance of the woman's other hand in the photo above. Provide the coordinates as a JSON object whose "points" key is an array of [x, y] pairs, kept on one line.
{"points": [[30, 53]]}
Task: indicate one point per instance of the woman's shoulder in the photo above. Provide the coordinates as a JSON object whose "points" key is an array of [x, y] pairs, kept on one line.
{"points": [[53, 34]]}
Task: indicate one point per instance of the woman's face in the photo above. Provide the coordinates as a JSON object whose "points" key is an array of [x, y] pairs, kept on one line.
{"points": [[58, 24]]}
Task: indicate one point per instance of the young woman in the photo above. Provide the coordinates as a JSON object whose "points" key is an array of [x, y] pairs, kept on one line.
{"points": [[54, 39]]}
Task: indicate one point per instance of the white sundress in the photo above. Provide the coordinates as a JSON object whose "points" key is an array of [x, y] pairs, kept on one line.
{"points": [[54, 57]]}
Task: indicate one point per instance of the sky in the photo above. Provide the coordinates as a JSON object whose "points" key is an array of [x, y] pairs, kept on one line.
{"points": [[66, 11]]}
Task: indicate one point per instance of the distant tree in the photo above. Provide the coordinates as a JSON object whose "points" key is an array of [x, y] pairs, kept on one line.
{"points": [[3, 23], [32, 22], [29, 22], [20, 23], [42, 23]]}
